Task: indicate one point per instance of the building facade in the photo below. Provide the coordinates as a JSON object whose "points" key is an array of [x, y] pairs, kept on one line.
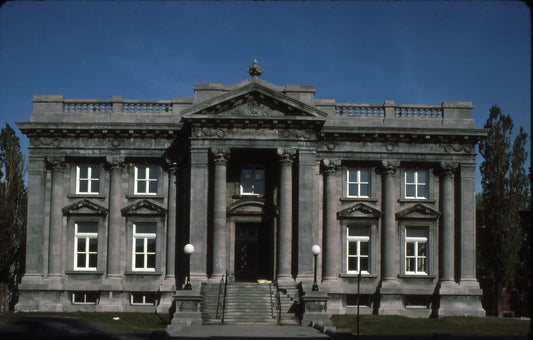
{"points": [[253, 175]]}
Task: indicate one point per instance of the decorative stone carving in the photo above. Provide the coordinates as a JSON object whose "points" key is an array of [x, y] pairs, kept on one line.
{"points": [[458, 148], [253, 109], [114, 163], [255, 70], [56, 164], [46, 141]]}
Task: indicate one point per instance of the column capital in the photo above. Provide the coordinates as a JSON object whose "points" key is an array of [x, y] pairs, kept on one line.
{"points": [[286, 155], [447, 169], [389, 167], [330, 166], [221, 155], [56, 164], [114, 163], [172, 166]]}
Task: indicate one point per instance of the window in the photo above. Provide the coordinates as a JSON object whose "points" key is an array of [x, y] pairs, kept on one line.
{"points": [[364, 300], [87, 179], [416, 244], [143, 298], [416, 184], [253, 181], [86, 244], [146, 178], [144, 245], [358, 183], [85, 298], [417, 301], [358, 250]]}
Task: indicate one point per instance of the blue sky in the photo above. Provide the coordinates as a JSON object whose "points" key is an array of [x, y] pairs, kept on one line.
{"points": [[353, 52]]}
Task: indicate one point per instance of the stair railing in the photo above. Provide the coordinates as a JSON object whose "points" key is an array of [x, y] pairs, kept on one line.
{"points": [[220, 291], [278, 302], [224, 299]]}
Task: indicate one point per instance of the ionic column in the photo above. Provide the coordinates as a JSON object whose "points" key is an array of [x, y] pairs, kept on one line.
{"points": [[332, 234], [114, 248], [285, 215], [55, 247], [447, 253], [390, 250], [219, 236], [171, 223]]}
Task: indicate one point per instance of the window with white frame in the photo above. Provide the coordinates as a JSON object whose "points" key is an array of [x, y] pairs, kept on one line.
{"points": [[143, 298], [416, 250], [146, 180], [253, 181], [358, 183], [144, 246], [87, 179], [86, 245], [358, 250], [416, 184], [85, 298]]}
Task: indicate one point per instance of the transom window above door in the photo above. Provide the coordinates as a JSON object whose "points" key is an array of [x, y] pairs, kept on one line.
{"points": [[253, 181]]}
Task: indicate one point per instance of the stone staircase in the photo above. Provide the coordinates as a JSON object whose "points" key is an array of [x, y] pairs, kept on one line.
{"points": [[248, 302]]}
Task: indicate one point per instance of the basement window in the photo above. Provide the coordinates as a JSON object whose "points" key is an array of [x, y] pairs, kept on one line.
{"points": [[417, 301], [143, 298], [85, 298], [365, 300]]}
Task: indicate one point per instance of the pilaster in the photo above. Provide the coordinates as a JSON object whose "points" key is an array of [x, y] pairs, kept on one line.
{"points": [[332, 250], [55, 258], [114, 249]]}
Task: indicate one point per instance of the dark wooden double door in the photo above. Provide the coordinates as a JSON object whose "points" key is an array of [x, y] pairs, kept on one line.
{"points": [[253, 252]]}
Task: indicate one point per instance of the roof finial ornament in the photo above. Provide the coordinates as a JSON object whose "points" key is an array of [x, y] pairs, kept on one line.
{"points": [[255, 70]]}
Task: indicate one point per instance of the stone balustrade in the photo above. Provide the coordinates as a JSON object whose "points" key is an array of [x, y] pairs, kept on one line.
{"points": [[128, 106], [398, 111]]}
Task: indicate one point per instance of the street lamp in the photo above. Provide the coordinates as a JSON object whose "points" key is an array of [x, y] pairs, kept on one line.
{"points": [[188, 249], [316, 250]]}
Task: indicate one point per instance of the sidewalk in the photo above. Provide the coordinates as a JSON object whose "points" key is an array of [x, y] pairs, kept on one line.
{"points": [[250, 331]]}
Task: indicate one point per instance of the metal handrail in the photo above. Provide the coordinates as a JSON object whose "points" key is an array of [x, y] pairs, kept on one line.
{"points": [[219, 293], [224, 299], [278, 302]]}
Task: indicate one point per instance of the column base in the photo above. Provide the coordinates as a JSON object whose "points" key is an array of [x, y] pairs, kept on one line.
{"points": [[462, 299], [284, 278]]}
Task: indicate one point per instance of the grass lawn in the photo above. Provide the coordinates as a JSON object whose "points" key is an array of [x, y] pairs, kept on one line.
{"points": [[127, 322], [398, 325]]}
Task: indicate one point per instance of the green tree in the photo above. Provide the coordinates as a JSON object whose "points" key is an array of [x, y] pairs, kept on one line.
{"points": [[505, 192], [13, 201]]}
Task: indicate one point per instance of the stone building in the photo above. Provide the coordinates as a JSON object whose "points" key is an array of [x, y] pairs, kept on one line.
{"points": [[253, 175]]}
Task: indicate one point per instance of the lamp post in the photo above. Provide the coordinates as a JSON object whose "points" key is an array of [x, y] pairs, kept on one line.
{"points": [[316, 250], [188, 249]]}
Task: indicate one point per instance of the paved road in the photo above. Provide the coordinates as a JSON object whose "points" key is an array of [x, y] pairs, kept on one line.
{"points": [[251, 331]]}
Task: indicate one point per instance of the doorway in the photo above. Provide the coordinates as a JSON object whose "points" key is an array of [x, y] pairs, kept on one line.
{"points": [[253, 255]]}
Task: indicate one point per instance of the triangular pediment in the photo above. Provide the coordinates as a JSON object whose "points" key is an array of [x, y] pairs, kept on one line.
{"points": [[143, 208], [84, 207], [250, 206], [359, 210], [253, 100], [418, 211]]}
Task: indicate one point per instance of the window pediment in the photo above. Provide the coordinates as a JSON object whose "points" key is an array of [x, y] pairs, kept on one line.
{"points": [[84, 207], [143, 208], [418, 211], [359, 210]]}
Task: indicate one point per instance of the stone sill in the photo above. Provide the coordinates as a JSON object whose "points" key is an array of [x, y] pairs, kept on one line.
{"points": [[99, 196], [417, 276], [84, 272], [417, 200], [143, 273], [355, 276], [130, 197], [358, 199]]}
